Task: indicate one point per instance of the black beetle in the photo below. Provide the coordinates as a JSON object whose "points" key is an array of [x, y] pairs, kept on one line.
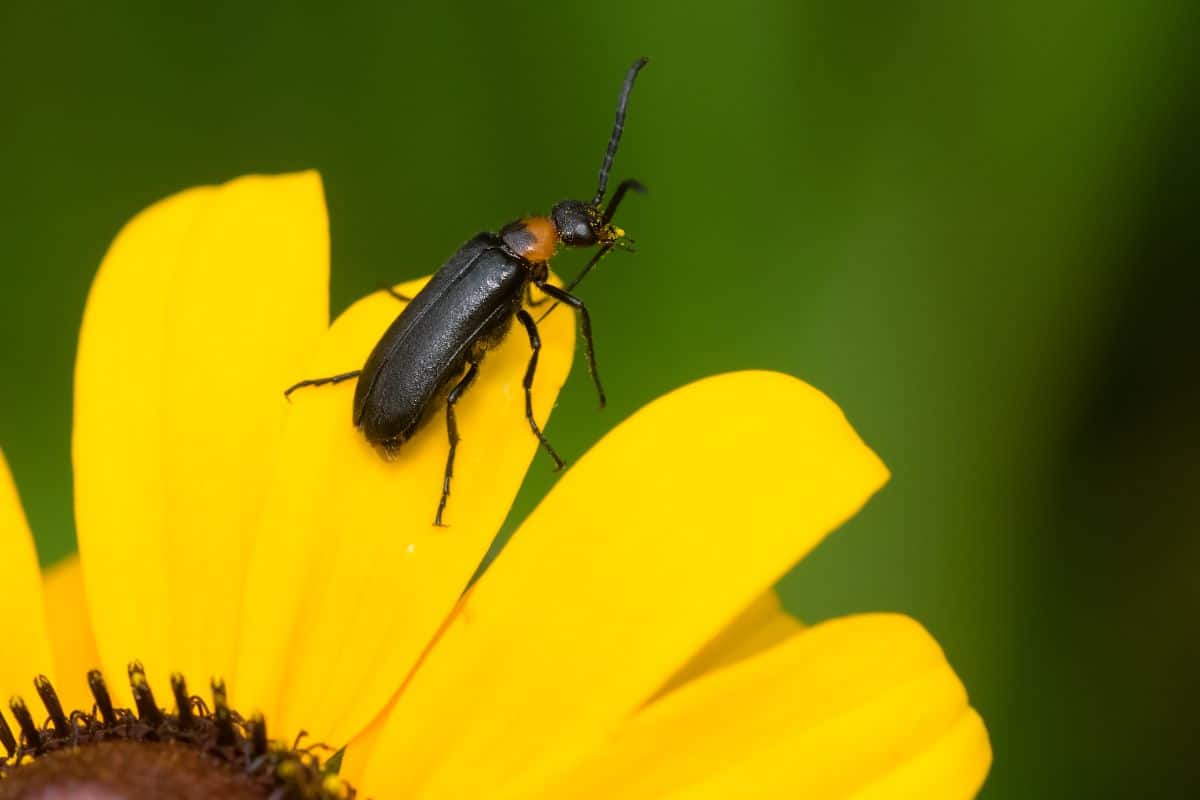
{"points": [[468, 306]]}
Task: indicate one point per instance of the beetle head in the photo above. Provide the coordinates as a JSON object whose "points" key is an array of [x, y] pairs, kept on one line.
{"points": [[579, 225]]}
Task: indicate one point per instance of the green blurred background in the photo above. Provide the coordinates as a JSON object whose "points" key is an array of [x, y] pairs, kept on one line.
{"points": [[971, 224]]}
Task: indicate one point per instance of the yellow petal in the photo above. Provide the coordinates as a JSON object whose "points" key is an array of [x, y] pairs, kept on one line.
{"points": [[249, 302], [119, 490], [71, 638], [203, 307], [952, 768], [644, 551], [763, 624], [26, 642], [358, 751], [350, 579], [844, 705]]}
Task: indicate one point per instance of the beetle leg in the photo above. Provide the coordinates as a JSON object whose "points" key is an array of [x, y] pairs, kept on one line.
{"points": [[585, 322], [535, 343], [583, 273], [403, 298], [529, 301], [345, 376], [452, 431]]}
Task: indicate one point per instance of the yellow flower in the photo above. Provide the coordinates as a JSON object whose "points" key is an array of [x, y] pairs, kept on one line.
{"points": [[626, 643]]}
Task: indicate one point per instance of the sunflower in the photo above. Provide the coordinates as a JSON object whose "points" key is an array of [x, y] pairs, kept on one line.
{"points": [[627, 642]]}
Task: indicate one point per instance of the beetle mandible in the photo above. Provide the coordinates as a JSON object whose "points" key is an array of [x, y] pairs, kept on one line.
{"points": [[433, 349]]}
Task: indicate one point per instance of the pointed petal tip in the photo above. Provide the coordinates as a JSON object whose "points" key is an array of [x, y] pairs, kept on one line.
{"points": [[722, 484], [203, 304]]}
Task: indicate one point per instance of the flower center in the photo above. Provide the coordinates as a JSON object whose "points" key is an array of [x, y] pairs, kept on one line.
{"points": [[118, 754]]}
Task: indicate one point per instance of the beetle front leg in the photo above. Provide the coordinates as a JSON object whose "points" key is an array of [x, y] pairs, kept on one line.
{"points": [[452, 431], [585, 322], [529, 301], [535, 343]]}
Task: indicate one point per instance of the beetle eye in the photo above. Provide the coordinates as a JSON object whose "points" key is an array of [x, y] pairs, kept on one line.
{"points": [[579, 234]]}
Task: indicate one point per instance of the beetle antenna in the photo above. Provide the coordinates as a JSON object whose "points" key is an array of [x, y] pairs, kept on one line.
{"points": [[618, 127], [623, 187]]}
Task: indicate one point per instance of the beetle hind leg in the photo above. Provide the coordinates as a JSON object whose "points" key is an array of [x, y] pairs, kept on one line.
{"points": [[452, 432], [345, 376]]}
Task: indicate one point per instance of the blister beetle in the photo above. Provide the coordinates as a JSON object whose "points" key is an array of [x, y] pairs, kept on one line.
{"points": [[433, 349]]}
